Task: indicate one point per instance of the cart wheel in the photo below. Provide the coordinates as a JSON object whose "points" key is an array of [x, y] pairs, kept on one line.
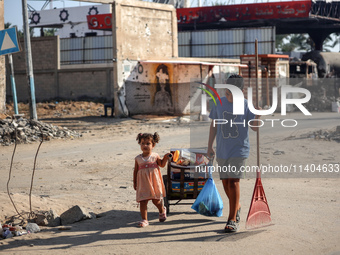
{"points": [[167, 206], [166, 201]]}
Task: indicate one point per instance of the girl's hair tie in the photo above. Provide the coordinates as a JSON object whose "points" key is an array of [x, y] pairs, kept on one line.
{"points": [[139, 136]]}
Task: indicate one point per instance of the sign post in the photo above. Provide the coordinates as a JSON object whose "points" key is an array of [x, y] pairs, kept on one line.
{"points": [[14, 90], [8, 45]]}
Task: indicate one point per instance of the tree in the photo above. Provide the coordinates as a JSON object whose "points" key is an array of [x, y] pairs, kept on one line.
{"points": [[8, 25], [50, 32], [331, 42], [21, 32], [292, 42]]}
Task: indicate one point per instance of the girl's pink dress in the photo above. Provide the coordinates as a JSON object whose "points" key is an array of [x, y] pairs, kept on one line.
{"points": [[149, 179]]}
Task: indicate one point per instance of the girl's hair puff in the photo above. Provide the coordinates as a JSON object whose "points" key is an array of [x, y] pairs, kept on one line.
{"points": [[154, 137]]}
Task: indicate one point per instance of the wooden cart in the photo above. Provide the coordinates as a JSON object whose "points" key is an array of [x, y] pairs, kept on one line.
{"points": [[180, 181]]}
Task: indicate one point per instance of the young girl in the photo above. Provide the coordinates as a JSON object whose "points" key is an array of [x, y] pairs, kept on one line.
{"points": [[147, 177]]}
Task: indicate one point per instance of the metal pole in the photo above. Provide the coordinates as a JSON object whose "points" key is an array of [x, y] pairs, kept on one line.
{"points": [[257, 104], [29, 64], [14, 91], [267, 85], [115, 15]]}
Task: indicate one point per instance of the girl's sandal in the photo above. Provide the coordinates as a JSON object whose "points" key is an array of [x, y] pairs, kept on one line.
{"points": [[143, 224], [162, 216]]}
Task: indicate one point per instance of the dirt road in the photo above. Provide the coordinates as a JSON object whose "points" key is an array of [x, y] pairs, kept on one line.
{"points": [[96, 172]]}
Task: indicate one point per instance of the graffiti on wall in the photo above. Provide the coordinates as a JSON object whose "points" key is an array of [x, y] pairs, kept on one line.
{"points": [[162, 98]]}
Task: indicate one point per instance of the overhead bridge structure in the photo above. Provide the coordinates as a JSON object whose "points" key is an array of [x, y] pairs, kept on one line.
{"points": [[319, 19]]}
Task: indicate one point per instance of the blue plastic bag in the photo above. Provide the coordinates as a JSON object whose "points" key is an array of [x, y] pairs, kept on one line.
{"points": [[209, 202]]}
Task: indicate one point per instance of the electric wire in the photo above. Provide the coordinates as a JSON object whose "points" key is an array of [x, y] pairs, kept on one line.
{"points": [[10, 172], [31, 214]]}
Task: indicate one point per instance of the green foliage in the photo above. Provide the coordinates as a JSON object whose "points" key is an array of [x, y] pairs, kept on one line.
{"points": [[50, 32], [8, 25], [291, 42], [21, 32], [302, 42], [331, 42]]}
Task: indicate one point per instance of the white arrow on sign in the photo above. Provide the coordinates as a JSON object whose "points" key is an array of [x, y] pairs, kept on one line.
{"points": [[7, 43]]}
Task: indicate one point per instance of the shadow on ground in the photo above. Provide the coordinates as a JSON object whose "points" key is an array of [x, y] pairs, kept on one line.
{"points": [[107, 228]]}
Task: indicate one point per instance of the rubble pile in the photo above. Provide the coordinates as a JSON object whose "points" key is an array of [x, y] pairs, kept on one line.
{"points": [[26, 131], [325, 135], [16, 226], [55, 109]]}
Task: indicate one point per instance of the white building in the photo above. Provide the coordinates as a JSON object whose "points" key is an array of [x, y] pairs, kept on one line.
{"points": [[70, 21]]}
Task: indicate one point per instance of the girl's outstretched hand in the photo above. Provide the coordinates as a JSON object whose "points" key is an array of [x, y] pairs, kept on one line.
{"points": [[162, 162], [167, 156]]}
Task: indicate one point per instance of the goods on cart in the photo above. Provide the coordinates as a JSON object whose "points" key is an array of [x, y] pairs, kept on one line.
{"points": [[186, 177], [188, 158], [188, 186]]}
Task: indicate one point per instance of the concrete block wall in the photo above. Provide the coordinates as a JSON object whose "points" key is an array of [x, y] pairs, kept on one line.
{"points": [[44, 87], [53, 82], [45, 54], [45, 58], [71, 85], [75, 84], [145, 30]]}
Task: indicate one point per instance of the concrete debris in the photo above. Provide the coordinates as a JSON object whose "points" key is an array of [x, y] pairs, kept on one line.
{"points": [[48, 218], [337, 131], [278, 152], [74, 214], [320, 135], [27, 131], [325, 135], [93, 215], [14, 226]]}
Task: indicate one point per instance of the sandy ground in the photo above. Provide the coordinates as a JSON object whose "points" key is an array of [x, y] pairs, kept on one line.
{"points": [[95, 172]]}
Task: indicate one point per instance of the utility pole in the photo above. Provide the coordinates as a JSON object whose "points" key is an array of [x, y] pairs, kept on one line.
{"points": [[116, 57], [29, 64]]}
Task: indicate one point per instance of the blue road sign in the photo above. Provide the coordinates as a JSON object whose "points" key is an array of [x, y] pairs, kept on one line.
{"points": [[9, 41]]}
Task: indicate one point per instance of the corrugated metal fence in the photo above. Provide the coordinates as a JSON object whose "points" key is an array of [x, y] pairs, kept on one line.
{"points": [[86, 50], [228, 43]]}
